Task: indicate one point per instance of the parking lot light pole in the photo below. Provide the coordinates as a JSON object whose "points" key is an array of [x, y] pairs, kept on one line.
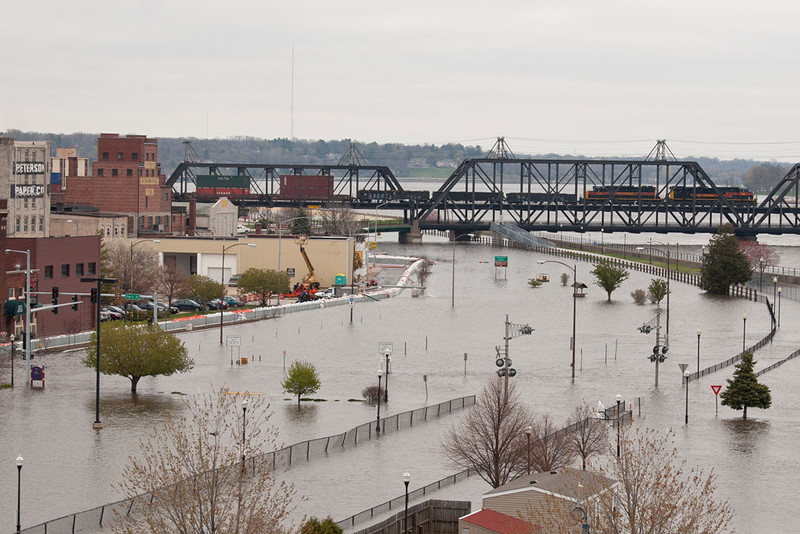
{"points": [[528, 431], [574, 270], [744, 332], [686, 378], [222, 298], [20, 460], [699, 332], [619, 400], [97, 425], [11, 337], [780, 290], [244, 428], [406, 480], [386, 389]]}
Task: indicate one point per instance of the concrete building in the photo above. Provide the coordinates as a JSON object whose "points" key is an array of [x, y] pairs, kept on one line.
{"points": [[219, 219], [126, 178], [25, 184], [110, 225]]}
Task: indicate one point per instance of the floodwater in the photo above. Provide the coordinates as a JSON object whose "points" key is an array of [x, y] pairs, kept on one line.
{"points": [[69, 467]]}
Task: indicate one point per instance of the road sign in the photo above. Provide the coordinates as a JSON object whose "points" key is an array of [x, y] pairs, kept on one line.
{"points": [[133, 296], [716, 389], [117, 295], [373, 245], [683, 366], [290, 272], [385, 347], [501, 261], [233, 341]]}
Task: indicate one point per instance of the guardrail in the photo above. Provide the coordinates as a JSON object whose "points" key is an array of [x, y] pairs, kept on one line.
{"points": [[91, 520]]}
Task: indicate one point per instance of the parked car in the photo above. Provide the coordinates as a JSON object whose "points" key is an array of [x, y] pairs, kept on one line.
{"points": [[187, 305], [242, 229], [326, 293], [114, 315], [233, 280], [117, 309], [217, 304], [105, 315], [233, 302]]}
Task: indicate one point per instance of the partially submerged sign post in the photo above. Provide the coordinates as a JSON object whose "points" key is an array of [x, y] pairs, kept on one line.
{"points": [[500, 261], [716, 390]]}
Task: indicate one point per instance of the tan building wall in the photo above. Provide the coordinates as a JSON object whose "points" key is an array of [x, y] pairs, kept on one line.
{"points": [[329, 256], [112, 226]]}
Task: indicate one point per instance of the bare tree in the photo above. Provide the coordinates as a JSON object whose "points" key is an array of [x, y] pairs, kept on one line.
{"points": [[134, 268], [194, 476], [586, 434], [550, 448], [491, 437], [340, 219], [647, 490], [170, 282]]}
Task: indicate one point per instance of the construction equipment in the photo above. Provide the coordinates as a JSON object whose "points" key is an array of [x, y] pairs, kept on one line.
{"points": [[310, 278]]}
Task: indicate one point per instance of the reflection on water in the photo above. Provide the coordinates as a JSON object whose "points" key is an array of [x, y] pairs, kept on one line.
{"points": [[745, 435], [305, 413], [135, 406]]}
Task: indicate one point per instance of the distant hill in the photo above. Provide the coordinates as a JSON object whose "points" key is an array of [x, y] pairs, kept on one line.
{"points": [[404, 160]]}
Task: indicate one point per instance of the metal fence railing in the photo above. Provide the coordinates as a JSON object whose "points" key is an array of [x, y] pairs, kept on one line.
{"points": [[609, 414], [90, 520], [777, 364]]}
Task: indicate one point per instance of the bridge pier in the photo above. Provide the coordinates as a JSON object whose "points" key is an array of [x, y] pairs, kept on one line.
{"points": [[413, 236]]}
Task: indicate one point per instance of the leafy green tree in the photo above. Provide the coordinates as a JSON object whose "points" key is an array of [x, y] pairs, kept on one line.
{"points": [[657, 290], [743, 390], [302, 223], [724, 263], [202, 288], [263, 282], [315, 526], [609, 277], [137, 351], [302, 379]]}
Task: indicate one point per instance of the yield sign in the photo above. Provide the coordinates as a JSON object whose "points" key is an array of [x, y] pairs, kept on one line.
{"points": [[716, 389]]}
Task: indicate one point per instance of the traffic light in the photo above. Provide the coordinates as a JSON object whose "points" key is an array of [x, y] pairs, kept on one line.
{"points": [[55, 300], [93, 296], [75, 300]]}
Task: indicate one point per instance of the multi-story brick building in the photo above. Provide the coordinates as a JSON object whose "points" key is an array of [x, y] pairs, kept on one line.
{"points": [[25, 184], [126, 178], [66, 164]]}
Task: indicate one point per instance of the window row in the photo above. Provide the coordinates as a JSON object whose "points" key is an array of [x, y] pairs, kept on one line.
{"points": [[91, 268], [149, 156], [118, 230], [128, 172], [28, 224]]}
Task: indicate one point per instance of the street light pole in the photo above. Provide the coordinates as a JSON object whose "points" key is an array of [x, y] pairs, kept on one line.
{"points": [[244, 428], [133, 244], [699, 332], [744, 331], [378, 424], [27, 304], [528, 430], [20, 460], [774, 289], [780, 290], [761, 274], [386, 389], [619, 400], [686, 377], [11, 337], [574, 270], [406, 480], [669, 276], [222, 298]]}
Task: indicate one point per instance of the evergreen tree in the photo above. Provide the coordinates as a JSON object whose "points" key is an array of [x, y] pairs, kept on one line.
{"points": [[724, 263], [609, 277], [743, 389], [302, 222]]}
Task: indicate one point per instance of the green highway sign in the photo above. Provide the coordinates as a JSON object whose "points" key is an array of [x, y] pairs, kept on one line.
{"points": [[132, 296]]}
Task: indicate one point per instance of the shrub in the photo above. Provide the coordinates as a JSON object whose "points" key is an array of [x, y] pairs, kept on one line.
{"points": [[639, 296]]}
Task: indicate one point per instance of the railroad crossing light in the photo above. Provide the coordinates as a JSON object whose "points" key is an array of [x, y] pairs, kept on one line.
{"points": [[645, 329], [75, 300], [501, 372], [499, 362], [526, 330], [512, 372]]}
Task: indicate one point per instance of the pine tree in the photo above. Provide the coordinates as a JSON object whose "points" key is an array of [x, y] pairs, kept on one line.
{"points": [[724, 263], [743, 389]]}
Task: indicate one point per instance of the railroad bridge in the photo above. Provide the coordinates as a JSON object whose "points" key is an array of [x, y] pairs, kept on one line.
{"points": [[544, 194]]}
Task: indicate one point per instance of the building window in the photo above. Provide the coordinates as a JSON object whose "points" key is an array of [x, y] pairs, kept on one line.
{"points": [[150, 221], [116, 231], [166, 196], [114, 172], [33, 203], [48, 271], [135, 156], [25, 223], [129, 172], [158, 220], [146, 199], [78, 269], [92, 268], [119, 155], [41, 223], [17, 223], [99, 172], [108, 230], [25, 203], [105, 155], [65, 270], [141, 221]]}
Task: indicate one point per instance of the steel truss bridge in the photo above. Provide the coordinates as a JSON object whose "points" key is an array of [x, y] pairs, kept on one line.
{"points": [[544, 194]]}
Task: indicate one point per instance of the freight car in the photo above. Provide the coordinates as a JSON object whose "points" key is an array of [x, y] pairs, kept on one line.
{"points": [[623, 193], [707, 195]]}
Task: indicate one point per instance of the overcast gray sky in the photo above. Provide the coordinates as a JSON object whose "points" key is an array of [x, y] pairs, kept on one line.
{"points": [[716, 78]]}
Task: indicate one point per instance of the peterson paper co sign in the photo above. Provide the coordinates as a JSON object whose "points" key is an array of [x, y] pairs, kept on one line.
{"points": [[27, 191], [29, 167]]}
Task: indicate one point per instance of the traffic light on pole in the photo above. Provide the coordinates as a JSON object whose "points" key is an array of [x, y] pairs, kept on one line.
{"points": [[55, 299], [93, 295], [75, 300]]}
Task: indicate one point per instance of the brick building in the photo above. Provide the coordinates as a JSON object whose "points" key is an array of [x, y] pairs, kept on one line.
{"points": [[126, 178], [55, 261]]}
